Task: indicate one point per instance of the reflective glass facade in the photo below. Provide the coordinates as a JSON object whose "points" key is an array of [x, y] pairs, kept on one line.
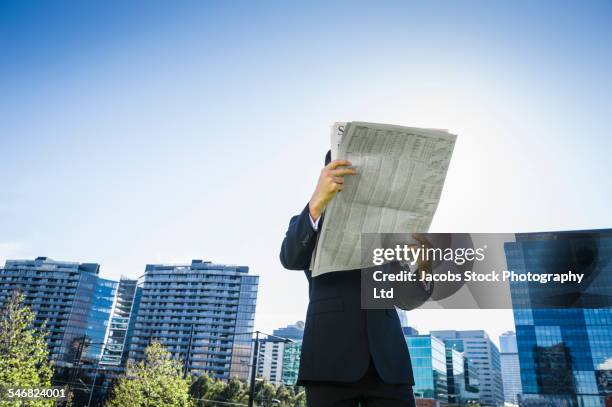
{"points": [[483, 354], [462, 382], [428, 357], [291, 352], [454, 375], [565, 354], [511, 372], [116, 347], [100, 308], [291, 363], [203, 313]]}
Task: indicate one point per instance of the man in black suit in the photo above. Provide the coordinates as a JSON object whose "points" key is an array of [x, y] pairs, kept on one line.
{"points": [[350, 356]]}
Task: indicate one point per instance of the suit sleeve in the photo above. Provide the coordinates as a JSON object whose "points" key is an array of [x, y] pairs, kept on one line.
{"points": [[299, 242]]}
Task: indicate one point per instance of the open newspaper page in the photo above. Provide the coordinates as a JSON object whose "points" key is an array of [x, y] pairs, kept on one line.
{"points": [[400, 175]]}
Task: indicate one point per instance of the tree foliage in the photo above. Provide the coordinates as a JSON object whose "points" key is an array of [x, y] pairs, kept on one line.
{"points": [[158, 381], [206, 391], [24, 356], [155, 381]]}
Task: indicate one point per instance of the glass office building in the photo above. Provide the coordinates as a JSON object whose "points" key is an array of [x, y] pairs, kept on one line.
{"points": [[455, 375], [69, 297], [291, 363], [484, 355], [428, 357], [565, 354], [291, 351], [511, 372], [203, 313], [462, 380], [472, 386]]}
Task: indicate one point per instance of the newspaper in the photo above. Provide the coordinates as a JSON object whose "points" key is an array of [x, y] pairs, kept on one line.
{"points": [[337, 130], [400, 175]]}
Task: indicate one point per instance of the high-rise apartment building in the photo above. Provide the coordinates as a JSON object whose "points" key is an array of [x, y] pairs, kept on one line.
{"points": [[70, 298], [270, 359], [511, 372], [292, 351], [565, 353], [479, 349], [279, 355], [203, 314]]}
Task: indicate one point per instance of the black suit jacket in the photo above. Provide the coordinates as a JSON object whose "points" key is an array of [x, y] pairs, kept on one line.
{"points": [[339, 336]]}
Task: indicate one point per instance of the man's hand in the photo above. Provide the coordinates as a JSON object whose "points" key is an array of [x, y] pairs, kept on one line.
{"points": [[330, 182]]}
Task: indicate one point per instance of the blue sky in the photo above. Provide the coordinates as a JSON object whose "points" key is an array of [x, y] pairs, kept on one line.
{"points": [[144, 132]]}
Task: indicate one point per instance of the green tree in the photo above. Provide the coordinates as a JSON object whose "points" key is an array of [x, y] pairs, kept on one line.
{"points": [[205, 388], [265, 392], [300, 399], [285, 395], [235, 391], [206, 391], [156, 381], [24, 356]]}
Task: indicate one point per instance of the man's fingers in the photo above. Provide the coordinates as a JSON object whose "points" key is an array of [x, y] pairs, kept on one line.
{"points": [[343, 171], [421, 239], [337, 174], [338, 163]]}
